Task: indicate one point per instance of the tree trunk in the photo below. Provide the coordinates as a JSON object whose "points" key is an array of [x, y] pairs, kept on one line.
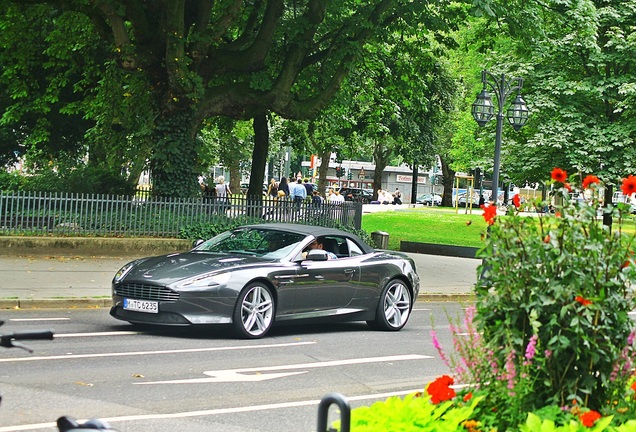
{"points": [[259, 156], [449, 176], [174, 164], [381, 159], [323, 170]]}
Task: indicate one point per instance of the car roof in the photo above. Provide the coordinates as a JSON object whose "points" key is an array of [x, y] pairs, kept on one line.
{"points": [[313, 230]]}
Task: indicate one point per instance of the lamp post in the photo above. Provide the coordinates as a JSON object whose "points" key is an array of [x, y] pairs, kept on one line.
{"points": [[483, 110]]}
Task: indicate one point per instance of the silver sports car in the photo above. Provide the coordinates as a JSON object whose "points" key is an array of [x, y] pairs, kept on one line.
{"points": [[257, 275]]}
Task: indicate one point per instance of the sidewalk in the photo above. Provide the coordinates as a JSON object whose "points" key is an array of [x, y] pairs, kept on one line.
{"points": [[67, 282]]}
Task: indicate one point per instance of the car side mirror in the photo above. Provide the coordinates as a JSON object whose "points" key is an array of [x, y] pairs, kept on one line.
{"points": [[197, 242], [317, 255]]}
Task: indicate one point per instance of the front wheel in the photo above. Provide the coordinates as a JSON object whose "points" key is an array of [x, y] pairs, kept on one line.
{"points": [[254, 312], [394, 307]]}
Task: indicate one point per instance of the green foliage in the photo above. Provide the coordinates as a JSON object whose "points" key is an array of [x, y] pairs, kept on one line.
{"points": [[558, 287], [79, 179], [208, 230], [411, 413]]}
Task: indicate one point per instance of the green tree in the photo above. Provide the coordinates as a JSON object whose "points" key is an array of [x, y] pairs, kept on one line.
{"points": [[576, 58], [200, 59]]}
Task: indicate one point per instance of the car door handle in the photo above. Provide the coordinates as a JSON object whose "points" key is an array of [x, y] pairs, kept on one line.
{"points": [[350, 271]]}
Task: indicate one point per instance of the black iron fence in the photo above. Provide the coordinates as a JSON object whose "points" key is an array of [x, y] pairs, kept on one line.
{"points": [[39, 213]]}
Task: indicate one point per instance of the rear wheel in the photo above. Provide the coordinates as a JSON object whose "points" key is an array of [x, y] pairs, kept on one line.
{"points": [[254, 312], [394, 307]]}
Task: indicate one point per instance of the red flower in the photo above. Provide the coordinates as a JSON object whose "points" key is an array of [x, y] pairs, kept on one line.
{"points": [[633, 386], [546, 239], [589, 180], [440, 390], [516, 200], [559, 175], [568, 187], [588, 418], [490, 212], [583, 301], [629, 185], [468, 397]]}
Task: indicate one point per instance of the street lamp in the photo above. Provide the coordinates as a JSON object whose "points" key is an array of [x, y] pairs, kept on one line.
{"points": [[483, 109]]}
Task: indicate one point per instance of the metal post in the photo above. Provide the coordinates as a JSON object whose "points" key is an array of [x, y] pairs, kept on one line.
{"points": [[323, 412], [502, 89]]}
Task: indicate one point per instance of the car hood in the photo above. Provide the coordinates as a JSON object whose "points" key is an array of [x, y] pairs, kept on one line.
{"points": [[168, 269]]}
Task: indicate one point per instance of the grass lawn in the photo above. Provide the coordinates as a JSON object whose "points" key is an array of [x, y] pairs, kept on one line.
{"points": [[437, 225], [428, 225]]}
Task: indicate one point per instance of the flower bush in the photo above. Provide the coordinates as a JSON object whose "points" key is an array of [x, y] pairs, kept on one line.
{"points": [[548, 345], [550, 326]]}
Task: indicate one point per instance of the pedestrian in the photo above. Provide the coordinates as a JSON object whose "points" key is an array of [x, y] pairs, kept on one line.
{"points": [[316, 199], [283, 187], [397, 197], [309, 188], [272, 189], [297, 192], [223, 193], [482, 200]]}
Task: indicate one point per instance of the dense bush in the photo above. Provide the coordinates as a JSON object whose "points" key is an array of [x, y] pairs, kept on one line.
{"points": [[80, 179]]}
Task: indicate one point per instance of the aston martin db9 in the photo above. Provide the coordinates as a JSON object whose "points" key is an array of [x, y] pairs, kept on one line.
{"points": [[255, 276]]}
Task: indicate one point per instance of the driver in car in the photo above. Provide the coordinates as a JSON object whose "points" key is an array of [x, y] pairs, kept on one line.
{"points": [[317, 244]]}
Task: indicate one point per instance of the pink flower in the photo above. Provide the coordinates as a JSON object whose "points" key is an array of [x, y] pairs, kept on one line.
{"points": [[530, 349]]}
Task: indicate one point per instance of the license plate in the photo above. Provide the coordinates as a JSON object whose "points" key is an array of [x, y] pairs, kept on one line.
{"points": [[141, 305]]}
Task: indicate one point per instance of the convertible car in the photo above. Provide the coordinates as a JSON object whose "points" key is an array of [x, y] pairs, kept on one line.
{"points": [[257, 275]]}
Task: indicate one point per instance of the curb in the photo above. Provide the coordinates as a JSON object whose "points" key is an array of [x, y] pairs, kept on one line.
{"points": [[105, 303], [67, 303]]}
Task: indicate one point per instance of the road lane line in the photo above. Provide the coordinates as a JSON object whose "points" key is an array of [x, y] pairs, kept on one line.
{"points": [[39, 319], [112, 333], [139, 353], [212, 412], [236, 375]]}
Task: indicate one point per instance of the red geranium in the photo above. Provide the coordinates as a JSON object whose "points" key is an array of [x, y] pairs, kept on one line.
{"points": [[583, 301], [629, 185], [440, 390], [490, 212], [559, 175], [589, 180], [588, 418], [516, 200]]}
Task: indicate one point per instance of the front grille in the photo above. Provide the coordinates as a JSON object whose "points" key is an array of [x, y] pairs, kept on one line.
{"points": [[146, 292]]}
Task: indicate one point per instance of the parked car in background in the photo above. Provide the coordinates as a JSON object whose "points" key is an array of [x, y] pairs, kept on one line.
{"points": [[429, 199], [245, 187], [462, 199], [255, 276], [618, 197], [357, 195]]}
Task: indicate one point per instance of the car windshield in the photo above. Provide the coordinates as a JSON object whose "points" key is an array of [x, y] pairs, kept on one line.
{"points": [[271, 244]]}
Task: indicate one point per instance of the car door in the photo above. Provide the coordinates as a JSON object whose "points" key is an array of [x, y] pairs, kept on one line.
{"points": [[325, 285]]}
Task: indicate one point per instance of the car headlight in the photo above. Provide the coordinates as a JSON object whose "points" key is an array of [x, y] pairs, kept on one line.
{"points": [[204, 282], [124, 271]]}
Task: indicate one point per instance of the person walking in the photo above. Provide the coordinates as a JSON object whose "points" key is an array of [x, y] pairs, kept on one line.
{"points": [[283, 186], [223, 194], [297, 192]]}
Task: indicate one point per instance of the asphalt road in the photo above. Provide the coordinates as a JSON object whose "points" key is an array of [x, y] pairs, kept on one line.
{"points": [[185, 380]]}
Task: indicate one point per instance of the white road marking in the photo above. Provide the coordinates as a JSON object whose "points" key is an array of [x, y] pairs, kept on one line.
{"points": [[113, 333], [139, 353], [39, 319], [211, 412], [238, 375], [417, 309]]}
